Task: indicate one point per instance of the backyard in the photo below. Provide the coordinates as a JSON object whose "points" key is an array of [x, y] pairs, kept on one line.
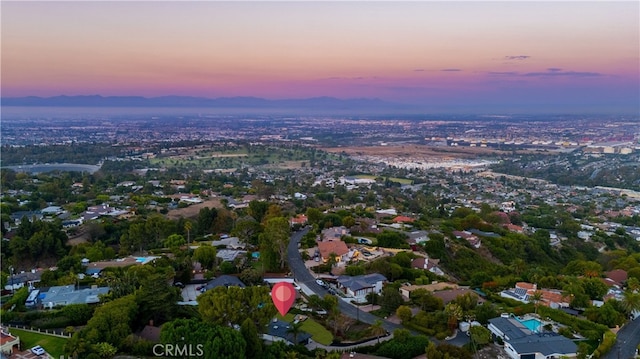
{"points": [[52, 344]]}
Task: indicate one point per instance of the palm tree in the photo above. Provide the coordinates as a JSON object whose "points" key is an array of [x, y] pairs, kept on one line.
{"points": [[536, 298], [377, 329], [295, 328], [630, 302], [332, 260], [187, 227]]}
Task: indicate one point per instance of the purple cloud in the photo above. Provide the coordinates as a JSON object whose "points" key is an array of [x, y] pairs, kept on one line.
{"points": [[450, 70], [517, 57], [558, 72], [503, 73], [418, 70]]}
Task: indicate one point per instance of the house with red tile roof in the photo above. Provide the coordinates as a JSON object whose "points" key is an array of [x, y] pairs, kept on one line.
{"points": [[403, 219], [617, 276], [8, 342], [300, 219]]}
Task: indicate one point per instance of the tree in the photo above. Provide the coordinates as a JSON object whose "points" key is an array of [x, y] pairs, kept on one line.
{"points": [[376, 329], [426, 300], [232, 305], [246, 229], [594, 288], [187, 228], [213, 341], [536, 298], [479, 335], [404, 313], [206, 256], [391, 299], [251, 276], [105, 350], [157, 299], [111, 322], [251, 338], [174, 241], [454, 313], [630, 302], [275, 239], [295, 328]]}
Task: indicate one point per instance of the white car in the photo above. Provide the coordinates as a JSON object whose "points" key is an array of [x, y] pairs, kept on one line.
{"points": [[37, 350], [320, 282]]}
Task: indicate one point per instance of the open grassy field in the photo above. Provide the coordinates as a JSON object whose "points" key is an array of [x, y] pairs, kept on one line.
{"points": [[392, 179], [52, 344], [318, 333]]}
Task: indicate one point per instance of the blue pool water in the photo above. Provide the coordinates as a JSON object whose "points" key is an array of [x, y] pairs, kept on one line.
{"points": [[532, 324]]}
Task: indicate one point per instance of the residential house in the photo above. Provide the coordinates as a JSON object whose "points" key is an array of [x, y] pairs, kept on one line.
{"points": [[299, 220], [418, 236], [403, 219], [224, 281], [339, 248], [8, 342], [469, 237], [229, 242], [427, 263], [359, 286], [17, 217], [523, 292], [333, 233], [278, 330], [19, 280], [520, 342], [68, 294], [616, 277]]}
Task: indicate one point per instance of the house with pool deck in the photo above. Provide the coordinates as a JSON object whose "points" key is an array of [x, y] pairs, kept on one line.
{"points": [[524, 338]]}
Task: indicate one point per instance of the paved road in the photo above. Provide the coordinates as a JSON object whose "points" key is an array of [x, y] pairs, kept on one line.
{"points": [[626, 342], [303, 275]]}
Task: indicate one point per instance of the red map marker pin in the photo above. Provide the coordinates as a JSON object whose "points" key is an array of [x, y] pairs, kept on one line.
{"points": [[283, 295]]}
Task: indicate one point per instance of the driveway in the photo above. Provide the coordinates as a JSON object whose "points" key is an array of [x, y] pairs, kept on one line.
{"points": [[306, 280]]}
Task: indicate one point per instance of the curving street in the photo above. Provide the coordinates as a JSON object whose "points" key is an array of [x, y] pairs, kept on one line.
{"points": [[627, 341], [304, 277]]}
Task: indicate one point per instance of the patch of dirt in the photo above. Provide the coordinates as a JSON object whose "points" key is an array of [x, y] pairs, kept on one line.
{"points": [[193, 210], [492, 351]]}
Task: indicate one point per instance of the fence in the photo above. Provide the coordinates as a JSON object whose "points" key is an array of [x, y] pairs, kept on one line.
{"points": [[36, 330]]}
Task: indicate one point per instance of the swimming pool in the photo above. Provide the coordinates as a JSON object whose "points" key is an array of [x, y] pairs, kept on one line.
{"points": [[532, 324]]}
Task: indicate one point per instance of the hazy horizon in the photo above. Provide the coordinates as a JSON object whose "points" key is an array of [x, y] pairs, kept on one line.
{"points": [[445, 56]]}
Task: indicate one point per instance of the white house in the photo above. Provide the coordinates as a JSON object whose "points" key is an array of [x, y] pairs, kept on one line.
{"points": [[359, 286]]}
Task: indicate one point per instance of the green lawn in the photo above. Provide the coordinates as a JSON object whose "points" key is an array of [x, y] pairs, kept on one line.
{"points": [[318, 333], [392, 179], [53, 345]]}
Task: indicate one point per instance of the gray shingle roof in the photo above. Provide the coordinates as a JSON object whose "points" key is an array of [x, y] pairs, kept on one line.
{"points": [[279, 329], [512, 329], [226, 281], [547, 344]]}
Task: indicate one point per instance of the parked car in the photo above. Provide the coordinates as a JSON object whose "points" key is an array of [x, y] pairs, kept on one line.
{"points": [[37, 350], [321, 283]]}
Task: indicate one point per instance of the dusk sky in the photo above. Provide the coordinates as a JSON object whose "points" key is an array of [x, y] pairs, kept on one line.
{"points": [[567, 55]]}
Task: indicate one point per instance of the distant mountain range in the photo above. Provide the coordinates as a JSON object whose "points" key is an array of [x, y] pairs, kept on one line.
{"points": [[188, 101]]}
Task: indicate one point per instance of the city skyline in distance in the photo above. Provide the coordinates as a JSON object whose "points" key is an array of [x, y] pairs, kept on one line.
{"points": [[458, 56]]}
